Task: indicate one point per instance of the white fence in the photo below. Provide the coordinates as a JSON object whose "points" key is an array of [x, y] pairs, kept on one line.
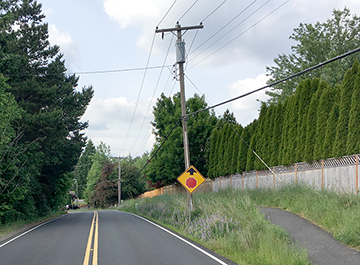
{"points": [[338, 174]]}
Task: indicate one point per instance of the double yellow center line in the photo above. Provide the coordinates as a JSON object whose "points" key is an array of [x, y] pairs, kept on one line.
{"points": [[93, 241]]}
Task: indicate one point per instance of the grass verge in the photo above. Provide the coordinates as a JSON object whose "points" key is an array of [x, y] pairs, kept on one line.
{"points": [[339, 214], [226, 222], [22, 225]]}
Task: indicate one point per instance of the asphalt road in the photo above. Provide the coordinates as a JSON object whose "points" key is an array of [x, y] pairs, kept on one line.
{"points": [[322, 248], [104, 237]]}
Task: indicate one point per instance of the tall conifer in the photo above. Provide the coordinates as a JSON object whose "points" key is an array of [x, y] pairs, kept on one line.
{"points": [[237, 143], [311, 121], [304, 96], [277, 134], [243, 148], [326, 103], [250, 158], [342, 129], [330, 132], [212, 156], [260, 137], [353, 137]]}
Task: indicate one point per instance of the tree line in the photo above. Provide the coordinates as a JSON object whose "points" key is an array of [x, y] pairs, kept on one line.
{"points": [[318, 121], [97, 174]]}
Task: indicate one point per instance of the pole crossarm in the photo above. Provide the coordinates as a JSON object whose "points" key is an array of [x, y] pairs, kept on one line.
{"points": [[157, 30]]}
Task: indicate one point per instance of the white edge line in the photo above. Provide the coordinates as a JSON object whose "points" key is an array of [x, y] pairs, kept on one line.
{"points": [[179, 237], [28, 231]]}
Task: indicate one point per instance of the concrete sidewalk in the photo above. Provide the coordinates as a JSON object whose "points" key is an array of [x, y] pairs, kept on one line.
{"points": [[322, 248]]}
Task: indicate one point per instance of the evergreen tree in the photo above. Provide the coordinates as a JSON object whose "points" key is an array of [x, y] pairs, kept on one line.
{"points": [[250, 157], [244, 147], [222, 159], [235, 154], [212, 156], [311, 120], [344, 109], [277, 134], [269, 129], [261, 140], [326, 103], [353, 137], [290, 129], [229, 151], [330, 132], [35, 72], [305, 95]]}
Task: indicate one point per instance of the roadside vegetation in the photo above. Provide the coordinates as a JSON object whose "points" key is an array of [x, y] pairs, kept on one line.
{"points": [[227, 222], [22, 225]]}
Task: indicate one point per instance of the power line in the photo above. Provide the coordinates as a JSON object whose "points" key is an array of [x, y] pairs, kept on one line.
{"points": [[167, 12], [202, 21], [120, 70], [141, 87], [225, 26], [188, 10], [152, 97], [240, 33], [280, 81]]}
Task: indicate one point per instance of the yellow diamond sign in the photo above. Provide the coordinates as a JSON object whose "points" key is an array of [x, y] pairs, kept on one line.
{"points": [[191, 179]]}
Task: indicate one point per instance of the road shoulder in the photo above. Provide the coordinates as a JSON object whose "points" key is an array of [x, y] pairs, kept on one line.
{"points": [[25, 228]]}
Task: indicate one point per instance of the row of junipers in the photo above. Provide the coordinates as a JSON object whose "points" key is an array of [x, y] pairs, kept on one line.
{"points": [[318, 121], [41, 135]]}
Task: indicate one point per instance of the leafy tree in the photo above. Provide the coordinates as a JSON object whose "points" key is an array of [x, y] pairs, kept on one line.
{"points": [[168, 164], [132, 182], [106, 191], [317, 43], [83, 166], [99, 159]]}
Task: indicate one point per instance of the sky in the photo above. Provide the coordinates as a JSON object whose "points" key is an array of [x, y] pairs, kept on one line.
{"points": [[112, 46]]}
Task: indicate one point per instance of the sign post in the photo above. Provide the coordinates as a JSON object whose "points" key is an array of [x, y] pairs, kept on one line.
{"points": [[191, 179]]}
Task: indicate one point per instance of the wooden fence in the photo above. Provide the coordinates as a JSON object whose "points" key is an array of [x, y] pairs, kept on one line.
{"points": [[338, 174]]}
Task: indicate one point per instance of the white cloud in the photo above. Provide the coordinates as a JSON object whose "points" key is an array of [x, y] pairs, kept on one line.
{"points": [[247, 108], [67, 46], [134, 12], [109, 121]]}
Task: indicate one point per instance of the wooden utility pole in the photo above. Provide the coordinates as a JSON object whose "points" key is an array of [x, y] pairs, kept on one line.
{"points": [[119, 184], [180, 54], [180, 60]]}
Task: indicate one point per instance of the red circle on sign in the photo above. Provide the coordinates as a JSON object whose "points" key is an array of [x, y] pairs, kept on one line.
{"points": [[191, 183]]}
